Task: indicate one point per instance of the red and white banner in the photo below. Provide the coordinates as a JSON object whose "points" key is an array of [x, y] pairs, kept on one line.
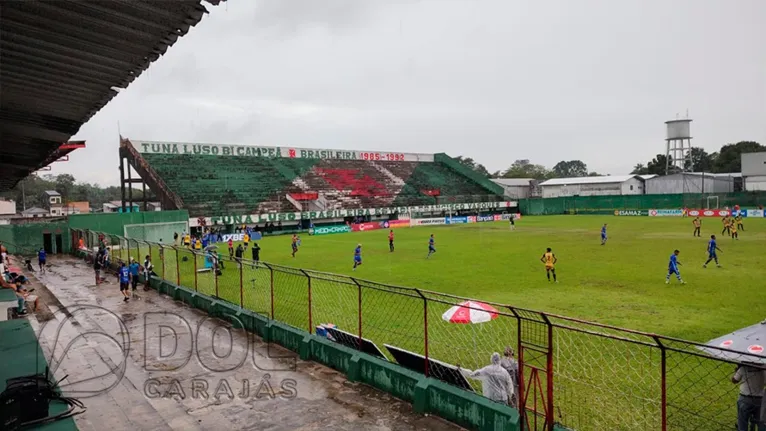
{"points": [[709, 213], [361, 227]]}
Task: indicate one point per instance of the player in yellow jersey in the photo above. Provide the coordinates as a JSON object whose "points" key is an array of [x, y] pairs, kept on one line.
{"points": [[246, 240], [697, 225], [549, 259], [187, 240], [738, 220], [733, 228], [726, 225]]}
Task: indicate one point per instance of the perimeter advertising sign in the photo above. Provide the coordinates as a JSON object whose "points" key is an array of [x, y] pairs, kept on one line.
{"points": [[319, 215], [327, 230], [455, 220], [485, 218], [666, 213], [631, 213], [427, 221], [709, 213]]}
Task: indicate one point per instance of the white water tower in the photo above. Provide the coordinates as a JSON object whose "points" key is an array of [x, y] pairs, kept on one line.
{"points": [[678, 154]]}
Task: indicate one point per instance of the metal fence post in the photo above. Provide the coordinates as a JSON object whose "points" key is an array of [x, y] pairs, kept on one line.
{"points": [[359, 313], [162, 260], [309, 300], [215, 275], [549, 369], [521, 402], [425, 329], [194, 256], [271, 271], [241, 284], [663, 382], [178, 267]]}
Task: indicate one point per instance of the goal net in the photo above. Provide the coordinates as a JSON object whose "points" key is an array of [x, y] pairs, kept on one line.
{"points": [[156, 232]]}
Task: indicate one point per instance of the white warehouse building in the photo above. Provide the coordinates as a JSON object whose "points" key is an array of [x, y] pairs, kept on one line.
{"points": [[515, 188], [593, 186], [690, 182], [754, 171]]}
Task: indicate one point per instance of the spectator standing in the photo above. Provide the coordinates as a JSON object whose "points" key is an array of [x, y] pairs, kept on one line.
{"points": [[496, 382], [134, 269], [751, 383], [97, 267], [41, 260], [239, 252], [148, 271], [256, 253], [123, 276], [509, 363]]}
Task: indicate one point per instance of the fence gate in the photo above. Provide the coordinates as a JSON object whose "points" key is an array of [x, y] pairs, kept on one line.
{"points": [[535, 355]]}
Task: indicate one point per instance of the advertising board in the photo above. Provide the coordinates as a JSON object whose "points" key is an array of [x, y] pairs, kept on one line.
{"points": [[631, 213], [327, 230], [256, 236], [455, 220], [427, 221], [666, 213], [361, 227], [755, 213], [709, 213], [398, 223], [485, 218]]}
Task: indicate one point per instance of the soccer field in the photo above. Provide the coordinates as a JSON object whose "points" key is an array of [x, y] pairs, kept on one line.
{"points": [[621, 283]]}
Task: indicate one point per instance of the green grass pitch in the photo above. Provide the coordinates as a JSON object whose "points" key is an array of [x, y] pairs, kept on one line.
{"points": [[621, 283]]}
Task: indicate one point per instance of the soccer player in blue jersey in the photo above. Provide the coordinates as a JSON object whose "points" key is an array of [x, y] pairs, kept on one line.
{"points": [[41, 260], [673, 268], [712, 248], [357, 256], [603, 234], [431, 249], [123, 274]]}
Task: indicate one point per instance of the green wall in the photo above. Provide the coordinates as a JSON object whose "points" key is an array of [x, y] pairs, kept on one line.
{"points": [[113, 223], [592, 204], [27, 238]]}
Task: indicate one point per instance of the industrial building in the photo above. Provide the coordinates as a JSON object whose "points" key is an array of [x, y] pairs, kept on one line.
{"points": [[515, 188], [691, 182], [754, 171], [593, 186]]}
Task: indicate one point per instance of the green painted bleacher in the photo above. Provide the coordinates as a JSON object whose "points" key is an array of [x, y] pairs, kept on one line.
{"points": [[221, 185], [217, 185], [21, 355], [430, 176]]}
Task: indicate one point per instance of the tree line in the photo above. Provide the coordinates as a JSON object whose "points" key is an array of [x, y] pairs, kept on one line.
{"points": [[29, 192], [726, 160]]}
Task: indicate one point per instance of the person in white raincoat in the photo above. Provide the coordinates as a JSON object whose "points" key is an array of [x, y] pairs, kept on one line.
{"points": [[496, 382]]}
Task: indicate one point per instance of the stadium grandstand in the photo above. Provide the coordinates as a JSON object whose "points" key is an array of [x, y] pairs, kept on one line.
{"points": [[211, 179]]}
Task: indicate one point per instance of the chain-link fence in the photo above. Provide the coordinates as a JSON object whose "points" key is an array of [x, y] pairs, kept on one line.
{"points": [[578, 374]]}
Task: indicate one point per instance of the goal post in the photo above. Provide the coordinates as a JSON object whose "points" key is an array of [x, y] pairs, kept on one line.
{"points": [[712, 202], [156, 232]]}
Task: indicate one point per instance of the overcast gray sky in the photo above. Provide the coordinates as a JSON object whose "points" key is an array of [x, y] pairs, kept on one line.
{"points": [[497, 81]]}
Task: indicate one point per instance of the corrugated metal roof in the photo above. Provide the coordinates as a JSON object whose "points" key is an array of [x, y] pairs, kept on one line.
{"points": [[61, 61], [647, 177], [587, 180], [512, 182]]}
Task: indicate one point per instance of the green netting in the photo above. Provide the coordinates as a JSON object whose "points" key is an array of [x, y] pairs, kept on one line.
{"points": [[156, 232], [591, 204]]}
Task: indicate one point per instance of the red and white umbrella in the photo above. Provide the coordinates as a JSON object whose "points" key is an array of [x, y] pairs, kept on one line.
{"points": [[470, 312]]}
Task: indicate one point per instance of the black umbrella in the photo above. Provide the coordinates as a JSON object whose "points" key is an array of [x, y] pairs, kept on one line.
{"points": [[743, 345]]}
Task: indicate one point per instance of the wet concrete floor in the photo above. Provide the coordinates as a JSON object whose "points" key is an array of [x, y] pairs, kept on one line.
{"points": [[156, 364]]}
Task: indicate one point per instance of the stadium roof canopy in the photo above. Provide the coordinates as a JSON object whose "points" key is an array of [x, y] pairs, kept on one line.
{"points": [[62, 61], [588, 180]]}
